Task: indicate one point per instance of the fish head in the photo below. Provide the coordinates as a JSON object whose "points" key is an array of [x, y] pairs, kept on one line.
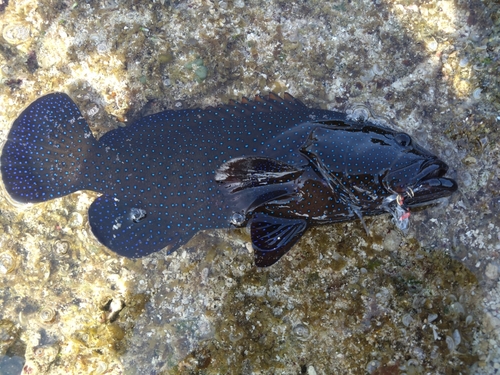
{"points": [[365, 163], [416, 175]]}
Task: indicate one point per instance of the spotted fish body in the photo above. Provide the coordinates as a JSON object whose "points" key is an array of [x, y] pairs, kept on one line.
{"points": [[272, 164]]}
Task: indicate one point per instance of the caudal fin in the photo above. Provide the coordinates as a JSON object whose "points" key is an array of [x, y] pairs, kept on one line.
{"points": [[44, 155]]}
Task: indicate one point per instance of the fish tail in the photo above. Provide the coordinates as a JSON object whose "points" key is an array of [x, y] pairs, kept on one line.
{"points": [[46, 150]]}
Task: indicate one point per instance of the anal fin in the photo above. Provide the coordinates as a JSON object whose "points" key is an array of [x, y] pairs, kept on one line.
{"points": [[129, 228]]}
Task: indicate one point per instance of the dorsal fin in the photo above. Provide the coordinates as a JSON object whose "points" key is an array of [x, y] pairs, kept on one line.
{"points": [[261, 104], [288, 97], [274, 96], [259, 99]]}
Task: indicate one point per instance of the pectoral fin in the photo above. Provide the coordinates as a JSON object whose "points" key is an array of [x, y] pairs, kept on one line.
{"points": [[272, 237], [249, 172]]}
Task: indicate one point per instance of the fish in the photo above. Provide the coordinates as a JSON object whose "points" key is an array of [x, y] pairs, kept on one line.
{"points": [[271, 164]]}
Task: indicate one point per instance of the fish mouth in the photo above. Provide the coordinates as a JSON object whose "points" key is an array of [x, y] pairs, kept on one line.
{"points": [[431, 184]]}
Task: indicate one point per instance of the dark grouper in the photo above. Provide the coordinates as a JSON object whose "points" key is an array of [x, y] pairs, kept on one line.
{"points": [[272, 164]]}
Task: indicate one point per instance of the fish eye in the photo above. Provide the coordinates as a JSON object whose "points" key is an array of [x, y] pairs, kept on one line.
{"points": [[402, 139]]}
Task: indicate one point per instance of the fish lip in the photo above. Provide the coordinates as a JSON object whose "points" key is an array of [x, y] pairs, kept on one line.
{"points": [[432, 185], [438, 169]]}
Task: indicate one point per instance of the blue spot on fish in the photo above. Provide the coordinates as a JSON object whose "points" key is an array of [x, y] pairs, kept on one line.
{"points": [[272, 164]]}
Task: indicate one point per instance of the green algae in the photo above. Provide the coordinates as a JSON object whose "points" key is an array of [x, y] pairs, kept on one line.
{"points": [[200, 71]]}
